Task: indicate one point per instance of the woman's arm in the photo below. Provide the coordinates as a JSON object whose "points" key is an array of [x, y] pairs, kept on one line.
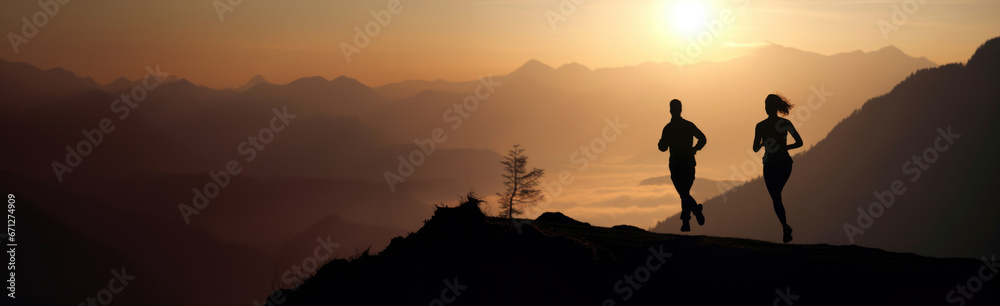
{"points": [[795, 135], [757, 141]]}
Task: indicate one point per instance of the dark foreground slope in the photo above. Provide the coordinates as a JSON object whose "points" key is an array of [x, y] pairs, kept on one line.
{"points": [[461, 257]]}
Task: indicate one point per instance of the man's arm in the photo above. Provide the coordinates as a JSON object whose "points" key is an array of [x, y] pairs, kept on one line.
{"points": [[701, 138], [663, 145]]}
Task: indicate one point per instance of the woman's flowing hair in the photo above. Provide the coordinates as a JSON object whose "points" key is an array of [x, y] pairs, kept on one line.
{"points": [[778, 102]]}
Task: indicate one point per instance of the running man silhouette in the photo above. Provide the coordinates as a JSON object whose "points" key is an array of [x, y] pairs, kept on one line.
{"points": [[677, 137], [772, 135]]}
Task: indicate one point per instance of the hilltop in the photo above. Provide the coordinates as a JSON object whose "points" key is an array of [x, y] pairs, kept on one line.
{"points": [[461, 256]]}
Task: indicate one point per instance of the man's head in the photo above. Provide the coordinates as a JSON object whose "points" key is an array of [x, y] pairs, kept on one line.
{"points": [[675, 107]]}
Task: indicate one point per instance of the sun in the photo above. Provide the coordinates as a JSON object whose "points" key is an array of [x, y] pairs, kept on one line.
{"points": [[686, 16]]}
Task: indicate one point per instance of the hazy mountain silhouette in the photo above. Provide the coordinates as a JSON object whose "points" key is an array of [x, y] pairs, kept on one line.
{"points": [[122, 200], [43, 130], [122, 84], [257, 79], [947, 208], [558, 110], [462, 257], [183, 119], [887, 60], [340, 96], [410, 88], [26, 87]]}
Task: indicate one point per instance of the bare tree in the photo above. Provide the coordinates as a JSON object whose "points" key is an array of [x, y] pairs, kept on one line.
{"points": [[521, 184]]}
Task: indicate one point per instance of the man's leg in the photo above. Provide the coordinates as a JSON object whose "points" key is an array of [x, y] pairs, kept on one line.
{"points": [[682, 175], [685, 184], [679, 176]]}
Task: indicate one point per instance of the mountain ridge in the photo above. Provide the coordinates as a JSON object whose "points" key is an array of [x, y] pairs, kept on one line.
{"points": [[532, 67]]}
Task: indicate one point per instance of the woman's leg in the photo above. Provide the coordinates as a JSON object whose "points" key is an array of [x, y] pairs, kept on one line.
{"points": [[775, 177]]}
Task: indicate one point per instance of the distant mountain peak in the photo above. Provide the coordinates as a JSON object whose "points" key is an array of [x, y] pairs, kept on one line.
{"points": [[574, 66], [533, 66], [534, 62], [118, 84], [185, 83], [774, 46], [61, 71], [257, 79], [254, 81], [777, 51], [344, 78], [891, 50], [887, 51], [349, 82], [313, 80], [119, 80]]}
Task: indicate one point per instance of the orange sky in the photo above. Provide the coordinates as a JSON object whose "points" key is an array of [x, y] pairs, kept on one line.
{"points": [[463, 39]]}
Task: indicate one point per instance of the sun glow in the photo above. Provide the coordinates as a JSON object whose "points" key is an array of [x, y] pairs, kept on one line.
{"points": [[686, 16]]}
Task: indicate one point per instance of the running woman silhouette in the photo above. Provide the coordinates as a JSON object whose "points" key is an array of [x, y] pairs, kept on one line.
{"points": [[772, 135]]}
